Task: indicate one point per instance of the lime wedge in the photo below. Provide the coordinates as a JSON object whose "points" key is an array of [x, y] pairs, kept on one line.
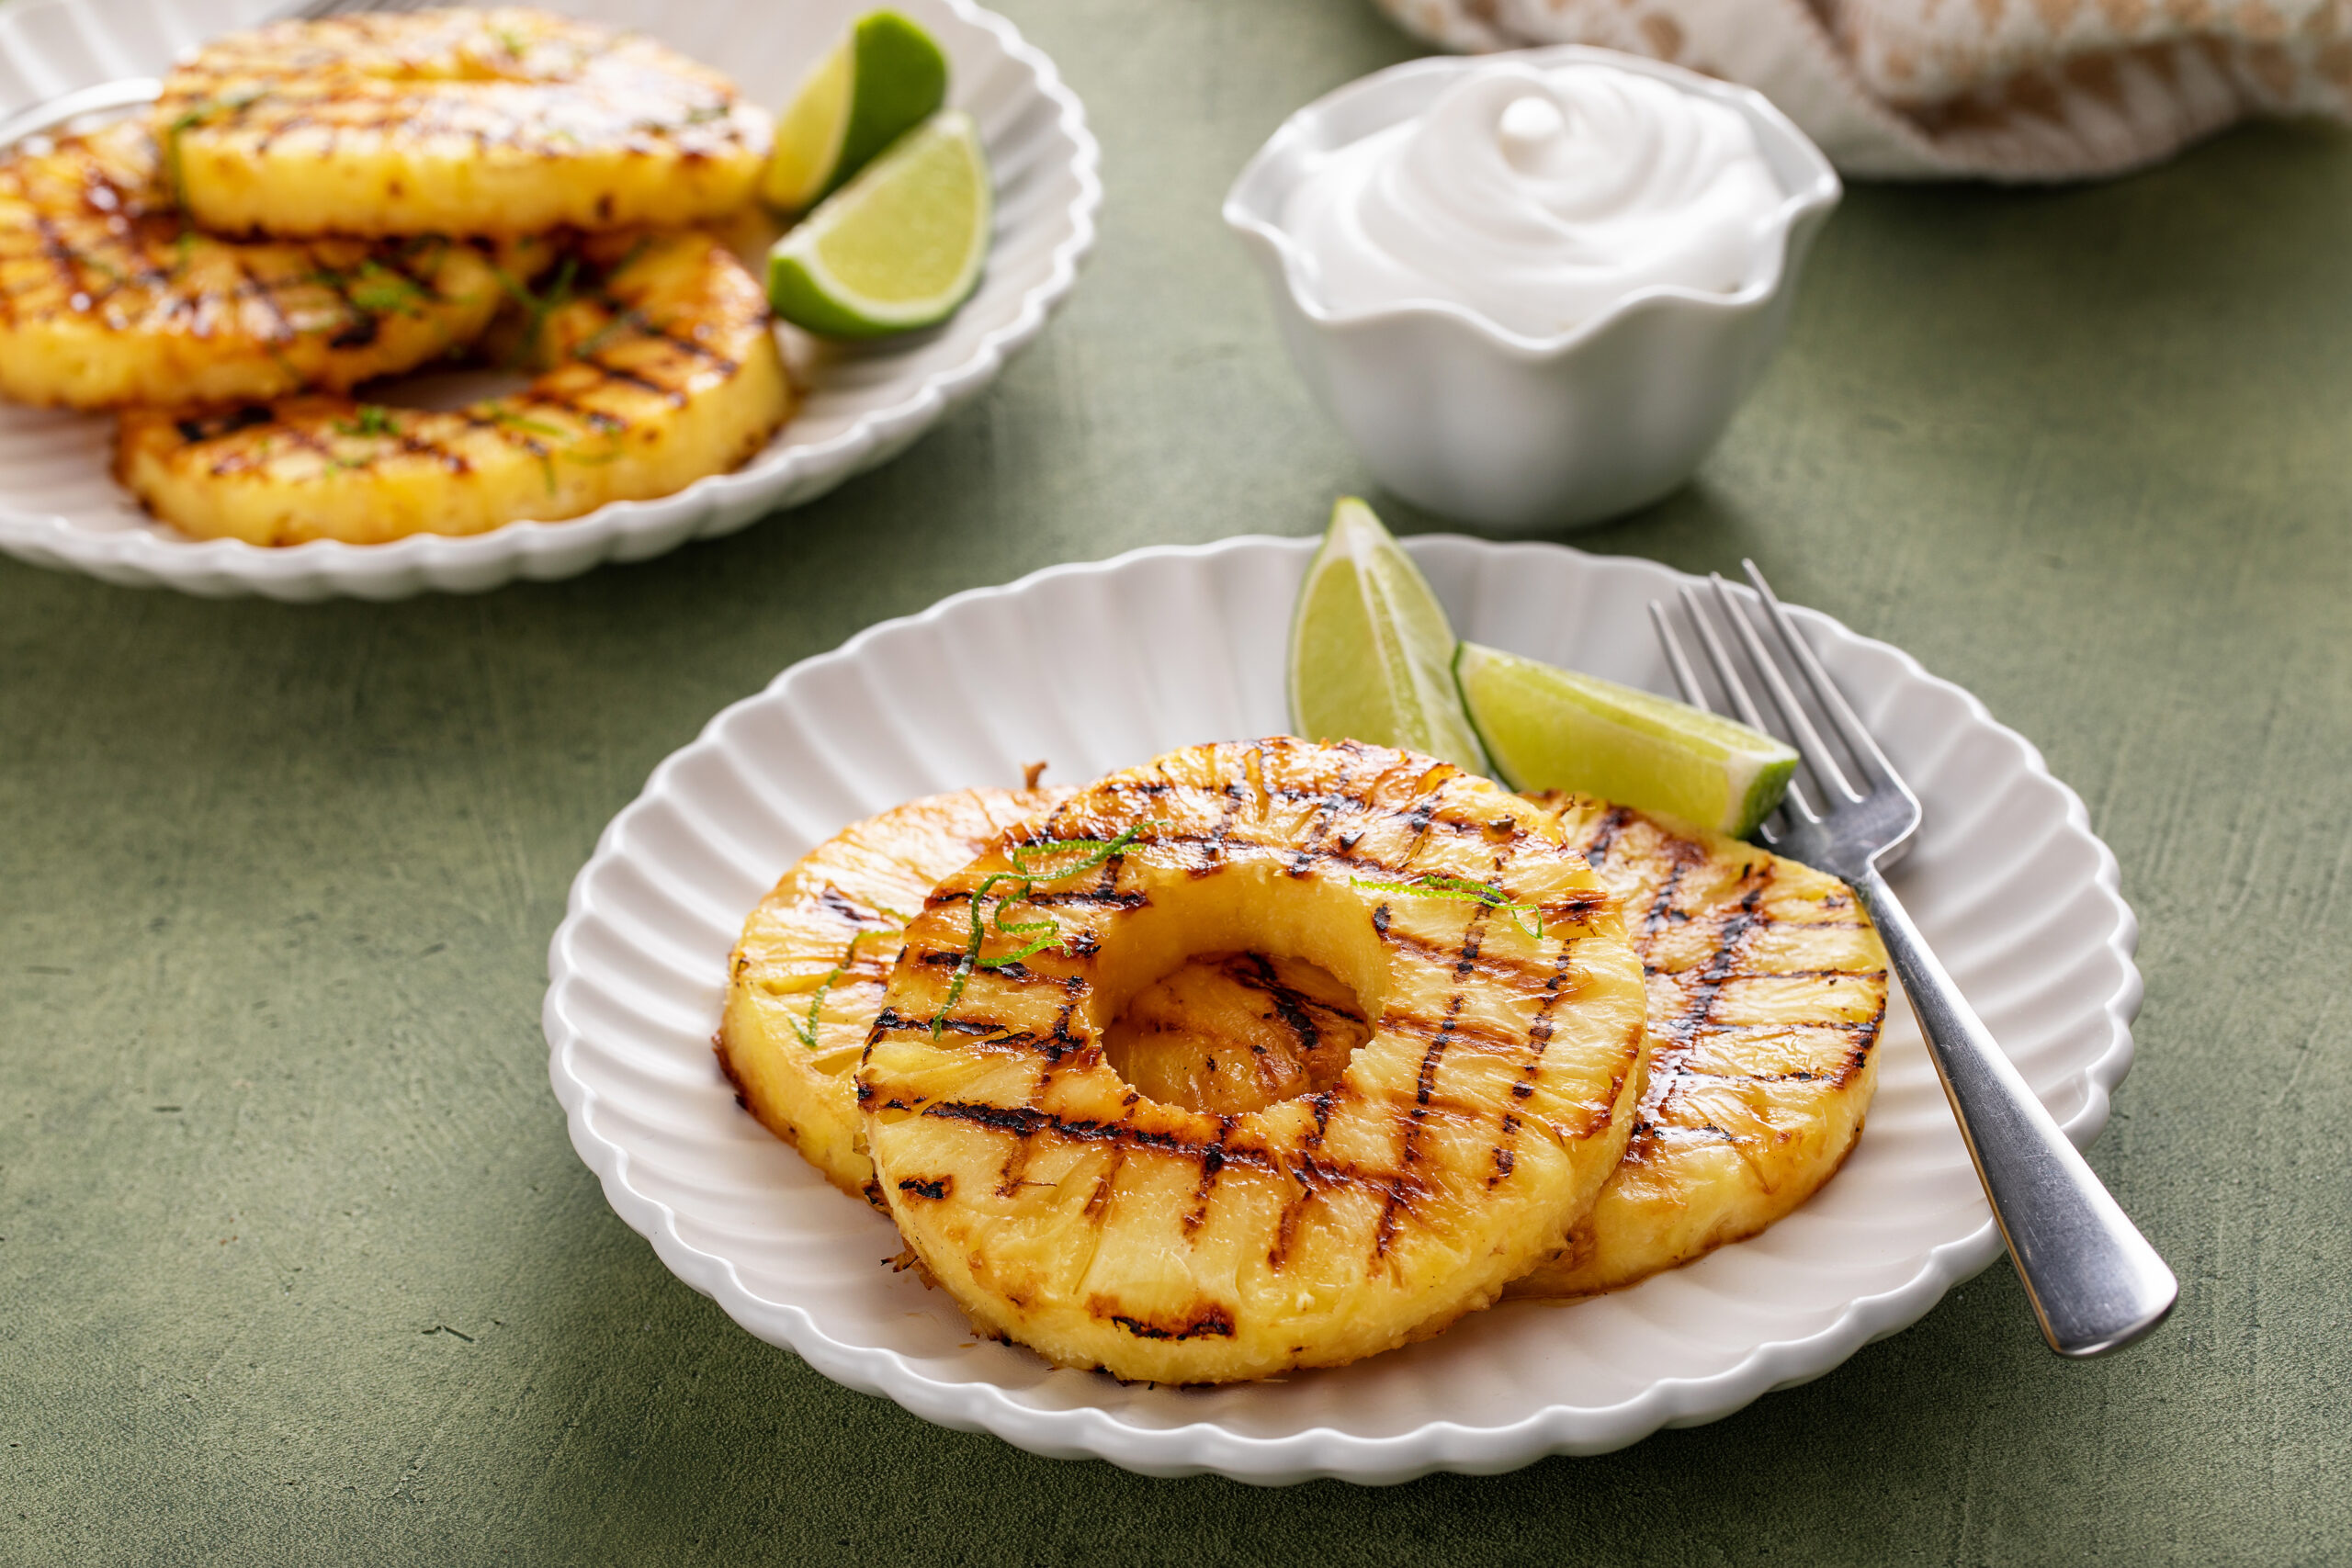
{"points": [[880, 82], [1551, 729], [1371, 654], [899, 247]]}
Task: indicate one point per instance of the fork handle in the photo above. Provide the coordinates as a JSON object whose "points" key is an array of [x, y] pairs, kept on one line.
{"points": [[2096, 1283]]}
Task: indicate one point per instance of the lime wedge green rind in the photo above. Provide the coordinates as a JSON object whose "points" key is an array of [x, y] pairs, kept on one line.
{"points": [[1372, 653], [1551, 729], [900, 247], [901, 82], [881, 81]]}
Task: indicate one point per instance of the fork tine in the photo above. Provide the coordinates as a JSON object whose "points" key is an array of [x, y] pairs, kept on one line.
{"points": [[1729, 673], [1817, 756], [1851, 728], [319, 10], [1720, 658], [1696, 695], [1685, 677]]}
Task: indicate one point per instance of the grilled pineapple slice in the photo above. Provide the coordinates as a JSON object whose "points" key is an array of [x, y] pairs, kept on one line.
{"points": [[1063, 1209], [1225, 1033], [108, 296], [807, 980], [663, 369], [455, 123], [1767, 989]]}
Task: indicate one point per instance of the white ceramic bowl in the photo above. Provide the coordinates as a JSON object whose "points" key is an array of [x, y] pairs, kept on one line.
{"points": [[1459, 414], [2006, 878], [60, 506]]}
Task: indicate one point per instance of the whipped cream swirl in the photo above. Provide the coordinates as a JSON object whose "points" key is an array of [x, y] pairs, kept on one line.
{"points": [[1538, 199]]}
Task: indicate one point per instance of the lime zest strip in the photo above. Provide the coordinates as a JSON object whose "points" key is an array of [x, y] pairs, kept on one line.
{"points": [[1431, 886], [1098, 852], [807, 1031], [536, 307]]}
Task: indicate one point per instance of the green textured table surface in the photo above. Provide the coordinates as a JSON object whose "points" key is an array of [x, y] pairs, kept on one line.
{"points": [[297, 1266]]}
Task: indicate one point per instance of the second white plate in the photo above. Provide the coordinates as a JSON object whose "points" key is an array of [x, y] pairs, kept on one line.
{"points": [[59, 503], [1096, 667]]}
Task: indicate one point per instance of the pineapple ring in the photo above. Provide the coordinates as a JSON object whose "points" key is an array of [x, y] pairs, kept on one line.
{"points": [[1064, 1210], [1767, 989], [806, 981], [663, 369], [454, 122], [108, 297]]}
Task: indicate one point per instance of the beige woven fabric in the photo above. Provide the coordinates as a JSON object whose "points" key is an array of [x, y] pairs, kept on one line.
{"points": [[2004, 89]]}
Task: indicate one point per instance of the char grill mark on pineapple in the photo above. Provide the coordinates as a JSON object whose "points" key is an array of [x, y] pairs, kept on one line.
{"points": [[1212, 1321], [1725, 966], [1732, 927], [1538, 1035], [1292, 1005], [1731, 932], [1318, 831], [1212, 1161], [1508, 972], [1612, 822], [1423, 1087], [1448, 1025], [1211, 844], [1661, 907], [1025, 1123]]}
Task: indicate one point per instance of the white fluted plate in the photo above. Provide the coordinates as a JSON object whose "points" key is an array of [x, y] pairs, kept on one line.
{"points": [[1099, 666], [61, 507]]}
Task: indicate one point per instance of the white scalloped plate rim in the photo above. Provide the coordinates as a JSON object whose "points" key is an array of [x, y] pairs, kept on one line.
{"points": [[786, 476], [1325, 1450]]}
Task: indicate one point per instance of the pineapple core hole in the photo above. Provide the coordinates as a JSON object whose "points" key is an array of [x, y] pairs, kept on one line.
{"points": [[1233, 990], [1231, 1032]]}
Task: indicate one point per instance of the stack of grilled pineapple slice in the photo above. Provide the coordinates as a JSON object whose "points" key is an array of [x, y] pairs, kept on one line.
{"points": [[1281, 1055], [313, 205]]}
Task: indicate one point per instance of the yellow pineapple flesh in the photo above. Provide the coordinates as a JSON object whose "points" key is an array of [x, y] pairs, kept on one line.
{"points": [[493, 122], [1229, 1032]]}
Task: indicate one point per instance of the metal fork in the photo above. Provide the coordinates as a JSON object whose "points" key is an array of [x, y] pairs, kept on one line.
{"points": [[132, 90], [2096, 1283]]}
